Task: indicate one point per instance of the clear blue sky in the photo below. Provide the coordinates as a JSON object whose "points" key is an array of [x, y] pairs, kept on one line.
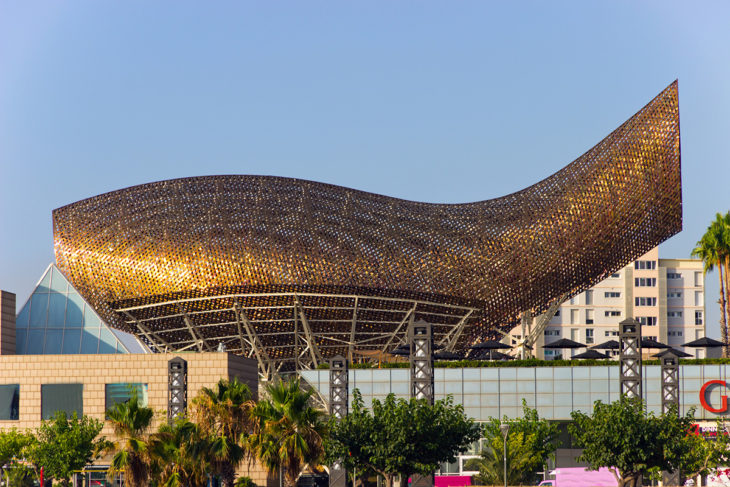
{"points": [[432, 101]]}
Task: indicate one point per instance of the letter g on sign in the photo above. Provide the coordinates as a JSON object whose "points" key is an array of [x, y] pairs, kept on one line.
{"points": [[703, 397]]}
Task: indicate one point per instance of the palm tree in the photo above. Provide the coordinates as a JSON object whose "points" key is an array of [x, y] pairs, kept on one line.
{"points": [[180, 455], [288, 430], [130, 422], [224, 416], [714, 250]]}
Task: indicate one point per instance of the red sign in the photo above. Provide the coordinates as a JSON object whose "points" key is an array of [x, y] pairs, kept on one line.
{"points": [[703, 397]]}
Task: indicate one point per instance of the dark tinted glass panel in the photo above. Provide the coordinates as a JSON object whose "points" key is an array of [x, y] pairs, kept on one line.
{"points": [[38, 310], [9, 402], [90, 341], [107, 344], [22, 320], [122, 392], [71, 340], [20, 335], [35, 342], [54, 338], [56, 310], [61, 397], [74, 310]]}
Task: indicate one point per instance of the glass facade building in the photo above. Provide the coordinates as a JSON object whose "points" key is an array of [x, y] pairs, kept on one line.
{"points": [[496, 392], [57, 320]]}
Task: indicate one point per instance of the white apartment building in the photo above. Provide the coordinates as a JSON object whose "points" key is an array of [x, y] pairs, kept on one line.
{"points": [[667, 296]]}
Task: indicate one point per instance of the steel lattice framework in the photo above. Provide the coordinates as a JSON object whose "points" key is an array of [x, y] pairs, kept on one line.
{"points": [[294, 271]]}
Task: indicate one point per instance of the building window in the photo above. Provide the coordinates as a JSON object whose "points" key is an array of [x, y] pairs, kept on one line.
{"points": [[698, 279], [674, 294], [651, 337], [10, 402], [557, 313], [674, 275], [573, 316], [611, 333], [589, 297], [555, 333], [589, 335], [674, 314], [644, 301], [589, 317], [616, 275], [61, 397], [612, 294], [612, 313], [699, 299], [698, 317], [122, 392], [674, 333], [647, 320], [645, 264], [645, 281]]}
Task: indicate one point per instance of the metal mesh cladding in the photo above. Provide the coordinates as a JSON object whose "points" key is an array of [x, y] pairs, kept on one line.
{"points": [[171, 260]]}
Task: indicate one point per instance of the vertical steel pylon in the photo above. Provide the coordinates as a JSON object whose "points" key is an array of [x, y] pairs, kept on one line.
{"points": [[630, 359], [338, 410]]}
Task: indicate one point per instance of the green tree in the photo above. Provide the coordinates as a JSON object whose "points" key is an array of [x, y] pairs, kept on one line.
{"points": [[65, 444], [399, 437], [224, 415], [705, 454], [288, 430], [530, 442], [714, 250], [14, 447], [131, 422], [624, 437]]}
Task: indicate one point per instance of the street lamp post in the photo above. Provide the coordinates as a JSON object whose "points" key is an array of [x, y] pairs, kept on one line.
{"points": [[504, 428]]}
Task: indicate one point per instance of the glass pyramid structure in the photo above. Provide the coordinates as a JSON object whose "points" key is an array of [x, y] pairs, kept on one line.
{"points": [[57, 320]]}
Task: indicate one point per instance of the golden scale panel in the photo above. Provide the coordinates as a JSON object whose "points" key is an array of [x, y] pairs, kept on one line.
{"points": [[297, 259]]}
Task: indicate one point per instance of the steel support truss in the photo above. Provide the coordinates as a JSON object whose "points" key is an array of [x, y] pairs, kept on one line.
{"points": [[177, 388], [297, 331], [670, 403], [630, 368], [338, 409], [420, 338]]}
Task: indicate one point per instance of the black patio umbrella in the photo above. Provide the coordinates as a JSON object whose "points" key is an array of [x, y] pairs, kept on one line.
{"points": [[595, 354], [651, 343], [445, 355], [676, 352], [564, 343], [608, 345], [403, 352], [704, 342], [490, 345], [500, 356]]}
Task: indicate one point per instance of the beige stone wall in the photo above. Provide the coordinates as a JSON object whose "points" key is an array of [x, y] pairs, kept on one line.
{"points": [[95, 371]]}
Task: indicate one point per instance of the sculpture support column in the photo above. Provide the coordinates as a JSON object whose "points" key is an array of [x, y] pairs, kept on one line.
{"points": [[420, 339], [670, 403], [630, 359], [177, 388], [338, 410]]}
